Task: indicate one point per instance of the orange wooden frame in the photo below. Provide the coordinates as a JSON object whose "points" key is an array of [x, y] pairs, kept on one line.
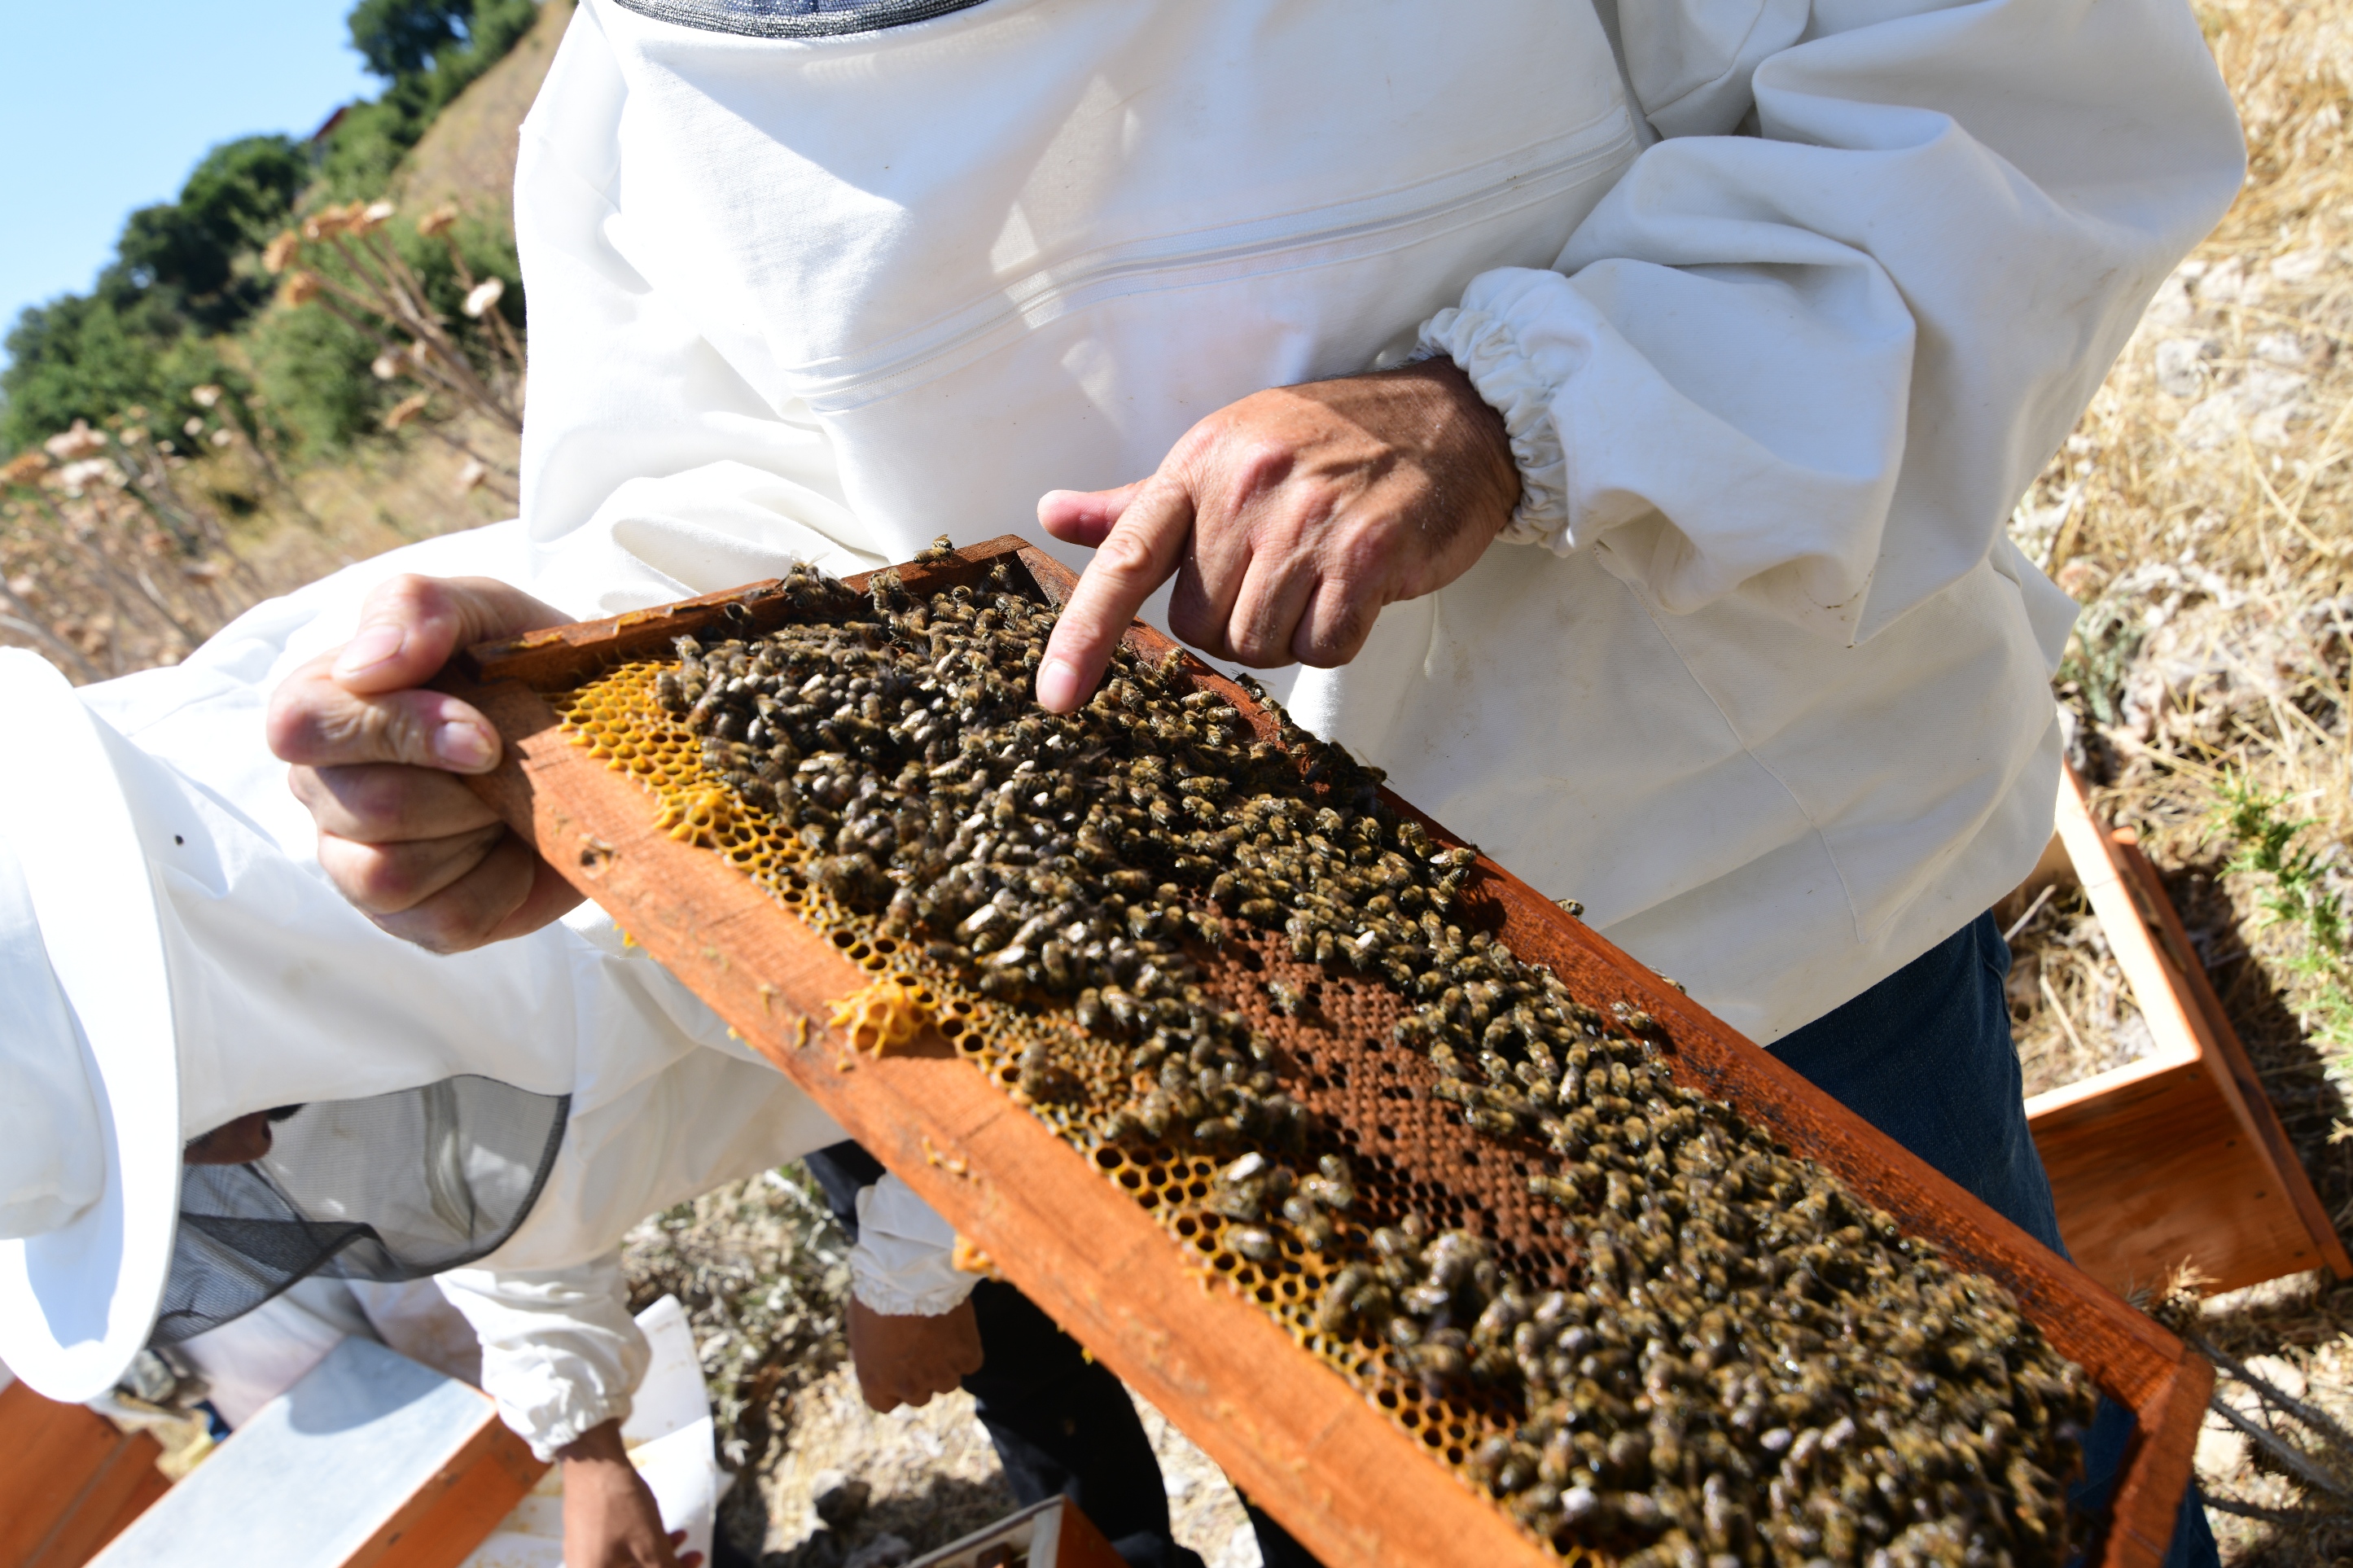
{"points": [[1352, 1486]]}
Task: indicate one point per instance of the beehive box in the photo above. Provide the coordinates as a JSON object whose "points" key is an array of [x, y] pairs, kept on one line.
{"points": [[1365, 1465], [70, 1481], [370, 1460], [2178, 1157]]}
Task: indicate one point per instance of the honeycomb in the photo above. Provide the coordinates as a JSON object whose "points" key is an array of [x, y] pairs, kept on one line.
{"points": [[884, 1014], [1594, 1325]]}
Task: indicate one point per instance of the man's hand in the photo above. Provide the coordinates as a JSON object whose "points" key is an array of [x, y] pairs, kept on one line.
{"points": [[906, 1360], [610, 1517], [1289, 519], [375, 759]]}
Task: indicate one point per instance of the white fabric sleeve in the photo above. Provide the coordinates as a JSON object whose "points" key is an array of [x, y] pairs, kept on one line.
{"points": [[560, 1352], [903, 1263], [1821, 358]]}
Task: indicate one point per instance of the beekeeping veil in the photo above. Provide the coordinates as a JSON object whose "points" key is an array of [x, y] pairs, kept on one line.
{"points": [[394, 1186], [165, 969]]}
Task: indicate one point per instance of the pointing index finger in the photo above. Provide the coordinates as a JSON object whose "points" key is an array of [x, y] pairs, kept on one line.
{"points": [[1136, 556]]}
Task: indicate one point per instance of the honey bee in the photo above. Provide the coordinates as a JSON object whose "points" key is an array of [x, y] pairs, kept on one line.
{"points": [[1256, 1243]]}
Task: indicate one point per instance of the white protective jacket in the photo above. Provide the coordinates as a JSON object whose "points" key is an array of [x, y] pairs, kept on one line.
{"points": [[283, 993], [1784, 302]]}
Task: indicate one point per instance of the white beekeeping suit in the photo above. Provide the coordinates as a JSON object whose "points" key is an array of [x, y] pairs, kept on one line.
{"points": [[252, 1359], [180, 961], [1784, 304]]}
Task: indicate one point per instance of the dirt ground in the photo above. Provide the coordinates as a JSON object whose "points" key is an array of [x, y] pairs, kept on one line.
{"points": [[823, 1481]]}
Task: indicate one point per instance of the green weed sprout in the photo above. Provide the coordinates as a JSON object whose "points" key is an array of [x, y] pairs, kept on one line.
{"points": [[2298, 896]]}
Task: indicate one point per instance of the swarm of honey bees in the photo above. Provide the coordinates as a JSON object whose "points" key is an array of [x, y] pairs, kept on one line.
{"points": [[1740, 1361]]}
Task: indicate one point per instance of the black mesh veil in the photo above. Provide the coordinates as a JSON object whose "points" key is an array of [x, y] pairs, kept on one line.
{"points": [[395, 1186]]}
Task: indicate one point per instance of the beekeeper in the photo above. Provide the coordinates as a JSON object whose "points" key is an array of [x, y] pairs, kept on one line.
{"points": [[1615, 406], [179, 983]]}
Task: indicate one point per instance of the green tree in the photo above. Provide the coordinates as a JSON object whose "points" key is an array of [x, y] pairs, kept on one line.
{"points": [[241, 193], [187, 272], [399, 37], [176, 273], [78, 357], [314, 366]]}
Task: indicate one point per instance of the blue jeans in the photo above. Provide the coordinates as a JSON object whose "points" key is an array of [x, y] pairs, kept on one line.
{"points": [[1925, 1057]]}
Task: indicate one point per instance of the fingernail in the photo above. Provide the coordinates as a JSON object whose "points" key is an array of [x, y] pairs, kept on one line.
{"points": [[464, 746], [372, 647], [1057, 686]]}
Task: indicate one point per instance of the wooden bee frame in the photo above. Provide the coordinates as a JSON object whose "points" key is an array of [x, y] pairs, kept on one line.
{"points": [[2179, 1157], [1349, 1483], [70, 1481]]}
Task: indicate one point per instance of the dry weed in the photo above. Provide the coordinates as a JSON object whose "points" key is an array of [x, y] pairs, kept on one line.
{"points": [[2070, 1012], [138, 544], [762, 1272], [2199, 511]]}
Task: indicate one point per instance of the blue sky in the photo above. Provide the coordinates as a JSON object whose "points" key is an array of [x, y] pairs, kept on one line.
{"points": [[107, 107]]}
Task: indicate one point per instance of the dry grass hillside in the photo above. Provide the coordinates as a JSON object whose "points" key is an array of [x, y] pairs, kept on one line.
{"points": [[468, 155]]}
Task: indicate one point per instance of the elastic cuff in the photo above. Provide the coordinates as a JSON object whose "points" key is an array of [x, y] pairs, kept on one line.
{"points": [[895, 1296], [545, 1445], [905, 1263], [1489, 353]]}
